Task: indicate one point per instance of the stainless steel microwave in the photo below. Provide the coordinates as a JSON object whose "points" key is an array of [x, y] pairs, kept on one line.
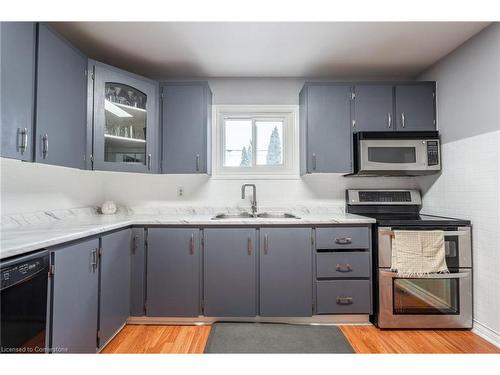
{"points": [[396, 153]]}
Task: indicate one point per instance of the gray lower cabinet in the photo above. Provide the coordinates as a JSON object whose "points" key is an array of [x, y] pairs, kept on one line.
{"points": [[343, 264], [75, 298], [342, 237], [415, 107], [138, 273], [114, 296], [230, 271], [61, 101], [173, 272], [124, 131], [326, 119], [373, 108], [343, 270], [17, 81], [343, 297], [285, 271], [186, 118]]}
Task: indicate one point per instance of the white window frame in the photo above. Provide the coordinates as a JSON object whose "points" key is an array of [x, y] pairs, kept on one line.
{"points": [[288, 113]]}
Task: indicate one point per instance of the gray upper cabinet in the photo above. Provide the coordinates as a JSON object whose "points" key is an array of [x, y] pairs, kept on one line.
{"points": [[75, 297], [373, 108], [286, 278], [326, 119], [186, 118], [173, 272], [114, 296], [415, 107], [125, 120], [230, 272], [61, 101], [17, 54]]}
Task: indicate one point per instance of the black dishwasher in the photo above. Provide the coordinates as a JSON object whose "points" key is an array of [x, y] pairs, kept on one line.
{"points": [[23, 303]]}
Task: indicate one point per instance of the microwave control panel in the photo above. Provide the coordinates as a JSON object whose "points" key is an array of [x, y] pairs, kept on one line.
{"points": [[432, 153]]}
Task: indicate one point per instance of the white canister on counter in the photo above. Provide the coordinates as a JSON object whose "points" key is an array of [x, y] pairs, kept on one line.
{"points": [[108, 208]]}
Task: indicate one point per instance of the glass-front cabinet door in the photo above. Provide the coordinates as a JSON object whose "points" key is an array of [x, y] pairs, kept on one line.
{"points": [[125, 121]]}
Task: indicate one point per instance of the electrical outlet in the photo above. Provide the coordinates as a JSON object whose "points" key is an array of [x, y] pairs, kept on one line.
{"points": [[180, 191]]}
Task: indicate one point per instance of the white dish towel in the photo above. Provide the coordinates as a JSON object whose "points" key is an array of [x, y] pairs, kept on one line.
{"points": [[418, 253]]}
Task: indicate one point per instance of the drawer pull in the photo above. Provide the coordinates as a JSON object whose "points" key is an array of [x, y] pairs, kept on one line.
{"points": [[343, 267], [344, 300], [343, 240]]}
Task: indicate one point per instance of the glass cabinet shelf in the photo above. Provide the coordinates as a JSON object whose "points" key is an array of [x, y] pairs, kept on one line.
{"points": [[126, 139]]}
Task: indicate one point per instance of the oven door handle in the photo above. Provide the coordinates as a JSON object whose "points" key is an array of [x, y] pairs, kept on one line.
{"points": [[457, 275]]}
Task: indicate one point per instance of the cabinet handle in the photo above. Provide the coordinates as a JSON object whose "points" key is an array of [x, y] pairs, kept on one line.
{"points": [[93, 262], [266, 243], [249, 245], [343, 240], [389, 119], [314, 161], [134, 246], [24, 139], [197, 162], [344, 300], [403, 120], [149, 162], [45, 145], [191, 244], [344, 267]]}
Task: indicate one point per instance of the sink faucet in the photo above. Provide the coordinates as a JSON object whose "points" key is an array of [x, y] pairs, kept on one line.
{"points": [[254, 196]]}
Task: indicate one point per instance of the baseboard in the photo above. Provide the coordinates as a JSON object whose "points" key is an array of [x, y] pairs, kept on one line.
{"points": [[486, 333], [361, 319]]}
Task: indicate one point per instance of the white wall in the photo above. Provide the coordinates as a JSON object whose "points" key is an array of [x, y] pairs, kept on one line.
{"points": [[468, 87], [256, 90], [31, 187]]}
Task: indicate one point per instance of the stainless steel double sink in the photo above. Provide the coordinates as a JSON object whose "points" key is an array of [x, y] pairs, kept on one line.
{"points": [[263, 215]]}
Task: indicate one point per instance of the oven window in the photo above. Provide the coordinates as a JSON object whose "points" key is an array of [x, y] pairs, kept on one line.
{"points": [[392, 154], [426, 296]]}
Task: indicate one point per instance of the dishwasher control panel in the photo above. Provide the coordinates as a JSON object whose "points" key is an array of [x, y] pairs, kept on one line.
{"points": [[16, 273]]}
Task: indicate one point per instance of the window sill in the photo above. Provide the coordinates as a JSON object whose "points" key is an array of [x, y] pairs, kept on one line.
{"points": [[255, 177]]}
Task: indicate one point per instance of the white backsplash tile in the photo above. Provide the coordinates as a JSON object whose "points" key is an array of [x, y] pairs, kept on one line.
{"points": [[469, 188]]}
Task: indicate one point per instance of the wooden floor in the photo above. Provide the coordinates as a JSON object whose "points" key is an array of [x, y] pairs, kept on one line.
{"points": [[369, 339], [364, 339], [159, 339]]}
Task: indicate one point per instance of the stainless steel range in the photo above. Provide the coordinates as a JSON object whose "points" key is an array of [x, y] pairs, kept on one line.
{"points": [[433, 301]]}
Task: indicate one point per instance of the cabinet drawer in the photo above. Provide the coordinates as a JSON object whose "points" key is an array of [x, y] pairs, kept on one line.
{"points": [[343, 238], [343, 264], [343, 297]]}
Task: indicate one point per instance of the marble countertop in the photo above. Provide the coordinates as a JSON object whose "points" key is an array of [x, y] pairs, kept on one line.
{"points": [[24, 233]]}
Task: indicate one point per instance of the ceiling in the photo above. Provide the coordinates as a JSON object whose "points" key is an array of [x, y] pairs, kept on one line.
{"points": [[269, 49]]}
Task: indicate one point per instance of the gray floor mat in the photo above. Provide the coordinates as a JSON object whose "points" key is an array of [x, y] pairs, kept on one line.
{"points": [[276, 338]]}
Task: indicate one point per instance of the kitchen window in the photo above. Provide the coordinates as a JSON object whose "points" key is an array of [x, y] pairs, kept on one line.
{"points": [[255, 142]]}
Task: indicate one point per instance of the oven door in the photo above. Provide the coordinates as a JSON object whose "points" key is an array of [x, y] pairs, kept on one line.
{"points": [[405, 156], [434, 301], [457, 242]]}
